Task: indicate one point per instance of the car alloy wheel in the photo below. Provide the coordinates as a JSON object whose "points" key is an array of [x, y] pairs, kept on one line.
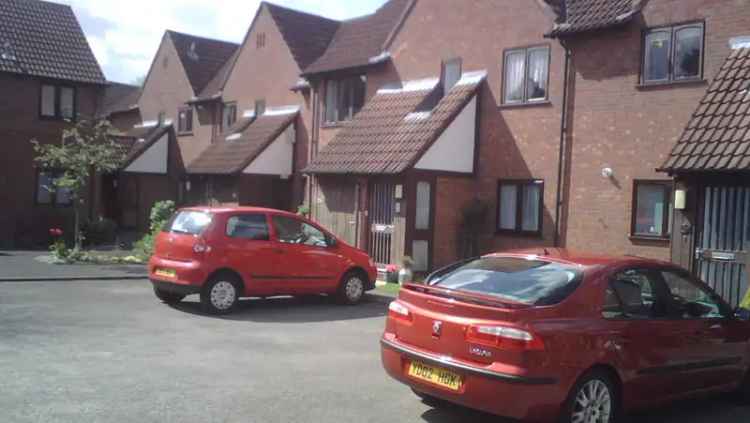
{"points": [[354, 289], [593, 403], [223, 295]]}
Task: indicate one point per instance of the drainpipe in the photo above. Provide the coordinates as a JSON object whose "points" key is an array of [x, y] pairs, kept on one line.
{"points": [[563, 142]]}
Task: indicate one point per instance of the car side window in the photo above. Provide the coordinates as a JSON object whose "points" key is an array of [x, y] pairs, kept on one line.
{"points": [[253, 227], [293, 231], [612, 307], [641, 294], [690, 299]]}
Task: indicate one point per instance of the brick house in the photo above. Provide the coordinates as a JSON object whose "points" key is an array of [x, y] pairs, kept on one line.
{"points": [[160, 129], [266, 110], [49, 78], [638, 70], [421, 159], [575, 92]]}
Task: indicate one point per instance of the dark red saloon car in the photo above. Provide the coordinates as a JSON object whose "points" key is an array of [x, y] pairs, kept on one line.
{"points": [[224, 254], [555, 336]]}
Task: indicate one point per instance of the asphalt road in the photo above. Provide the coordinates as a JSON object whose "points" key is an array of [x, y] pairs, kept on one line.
{"points": [[110, 352]]}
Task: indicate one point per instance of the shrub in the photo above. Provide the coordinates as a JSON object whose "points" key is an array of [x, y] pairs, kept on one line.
{"points": [[100, 231], [161, 212]]}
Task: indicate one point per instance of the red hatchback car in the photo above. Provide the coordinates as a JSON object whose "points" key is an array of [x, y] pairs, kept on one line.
{"points": [[557, 336], [227, 253]]}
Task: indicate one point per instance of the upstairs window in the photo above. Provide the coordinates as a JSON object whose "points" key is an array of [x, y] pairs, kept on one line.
{"points": [[344, 98], [673, 53], [229, 115], [526, 75], [57, 102], [652, 209], [520, 206], [451, 73], [185, 120]]}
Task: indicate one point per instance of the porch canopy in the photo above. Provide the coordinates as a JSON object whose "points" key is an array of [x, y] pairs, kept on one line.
{"points": [[412, 126], [717, 139], [147, 148], [261, 145]]}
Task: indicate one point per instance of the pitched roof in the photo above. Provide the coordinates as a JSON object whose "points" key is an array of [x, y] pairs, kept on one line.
{"points": [[392, 132], [307, 36], [718, 135], [119, 98], [215, 86], [359, 42], [138, 140], [44, 39], [577, 16], [242, 144], [201, 57]]}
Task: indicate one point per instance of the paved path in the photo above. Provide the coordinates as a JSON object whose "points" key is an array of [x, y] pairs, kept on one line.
{"points": [[108, 351], [27, 265]]}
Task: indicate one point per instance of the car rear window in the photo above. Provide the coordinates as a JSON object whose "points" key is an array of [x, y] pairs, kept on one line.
{"points": [[188, 222], [529, 281]]}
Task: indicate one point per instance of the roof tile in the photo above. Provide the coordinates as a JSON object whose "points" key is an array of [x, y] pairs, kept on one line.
{"points": [[201, 57], [725, 145], [576, 16], [44, 39]]}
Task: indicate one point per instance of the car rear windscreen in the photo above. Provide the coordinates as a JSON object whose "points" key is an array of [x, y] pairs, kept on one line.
{"points": [[188, 222], [529, 281]]}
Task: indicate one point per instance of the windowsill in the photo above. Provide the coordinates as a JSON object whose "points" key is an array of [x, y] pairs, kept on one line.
{"points": [[56, 119], [670, 84], [519, 234], [332, 125], [185, 134], [646, 238], [545, 103]]}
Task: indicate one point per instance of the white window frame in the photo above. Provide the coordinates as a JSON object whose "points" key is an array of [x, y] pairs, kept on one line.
{"points": [[526, 51]]}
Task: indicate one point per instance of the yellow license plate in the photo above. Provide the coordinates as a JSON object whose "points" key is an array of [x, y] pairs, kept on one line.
{"points": [[167, 273], [436, 375]]}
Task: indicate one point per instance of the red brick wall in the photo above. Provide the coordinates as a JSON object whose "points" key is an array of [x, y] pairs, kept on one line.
{"points": [[616, 124], [22, 220]]}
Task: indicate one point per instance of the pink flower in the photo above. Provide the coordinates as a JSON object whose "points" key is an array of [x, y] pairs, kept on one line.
{"points": [[391, 268], [56, 232]]}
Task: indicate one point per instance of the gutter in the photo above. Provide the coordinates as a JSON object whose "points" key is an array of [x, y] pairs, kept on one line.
{"points": [[563, 145]]}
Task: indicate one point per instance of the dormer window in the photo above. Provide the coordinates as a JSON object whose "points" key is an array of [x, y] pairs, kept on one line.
{"points": [[260, 107], [451, 73], [344, 98], [57, 102]]}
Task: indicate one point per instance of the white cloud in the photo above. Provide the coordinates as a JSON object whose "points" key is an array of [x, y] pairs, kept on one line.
{"points": [[125, 35]]}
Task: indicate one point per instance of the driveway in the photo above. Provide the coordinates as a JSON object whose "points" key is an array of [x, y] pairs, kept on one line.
{"points": [[109, 352]]}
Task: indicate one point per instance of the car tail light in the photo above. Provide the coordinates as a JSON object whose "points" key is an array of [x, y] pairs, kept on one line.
{"points": [[504, 338], [200, 246], [399, 311]]}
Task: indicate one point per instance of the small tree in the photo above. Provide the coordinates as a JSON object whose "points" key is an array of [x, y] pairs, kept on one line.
{"points": [[85, 149]]}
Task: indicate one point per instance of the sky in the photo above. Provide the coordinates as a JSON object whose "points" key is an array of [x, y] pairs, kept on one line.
{"points": [[125, 34]]}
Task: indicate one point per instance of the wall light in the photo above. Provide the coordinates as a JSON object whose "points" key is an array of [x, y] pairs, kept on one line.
{"points": [[680, 199], [607, 172]]}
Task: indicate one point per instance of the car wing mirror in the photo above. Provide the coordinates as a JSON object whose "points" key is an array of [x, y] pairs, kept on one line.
{"points": [[331, 242]]}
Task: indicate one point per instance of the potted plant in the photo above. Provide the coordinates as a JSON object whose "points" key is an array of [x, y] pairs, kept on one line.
{"points": [[391, 273]]}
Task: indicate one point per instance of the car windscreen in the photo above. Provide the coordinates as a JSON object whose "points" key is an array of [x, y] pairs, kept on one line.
{"points": [[188, 222], [531, 281]]}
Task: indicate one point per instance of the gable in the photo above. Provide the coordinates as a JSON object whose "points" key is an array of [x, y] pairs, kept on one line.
{"points": [[454, 149], [166, 85], [154, 159]]}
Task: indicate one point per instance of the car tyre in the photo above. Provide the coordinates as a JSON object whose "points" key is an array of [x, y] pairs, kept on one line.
{"points": [[221, 295], [351, 289], [594, 398], [168, 297]]}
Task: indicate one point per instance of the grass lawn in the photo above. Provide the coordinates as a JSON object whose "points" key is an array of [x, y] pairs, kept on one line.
{"points": [[389, 288]]}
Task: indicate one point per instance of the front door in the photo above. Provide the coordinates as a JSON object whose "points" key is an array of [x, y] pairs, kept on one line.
{"points": [[723, 240], [382, 212], [308, 264]]}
